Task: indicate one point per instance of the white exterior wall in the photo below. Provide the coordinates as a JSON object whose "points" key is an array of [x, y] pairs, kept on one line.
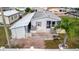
{"points": [[13, 31], [40, 28], [1, 21], [18, 33], [21, 32], [43, 26], [7, 20]]}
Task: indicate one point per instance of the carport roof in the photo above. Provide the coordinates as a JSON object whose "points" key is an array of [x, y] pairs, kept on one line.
{"points": [[23, 21]]}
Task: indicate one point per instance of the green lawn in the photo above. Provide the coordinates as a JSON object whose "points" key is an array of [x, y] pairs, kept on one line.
{"points": [[52, 44], [3, 40], [2, 37], [73, 42]]}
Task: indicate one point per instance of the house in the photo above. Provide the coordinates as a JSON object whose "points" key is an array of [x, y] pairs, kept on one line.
{"points": [[39, 8], [21, 9], [59, 11], [10, 16], [6, 8], [40, 21]]}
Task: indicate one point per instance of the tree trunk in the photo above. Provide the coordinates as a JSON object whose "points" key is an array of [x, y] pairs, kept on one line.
{"points": [[65, 40]]}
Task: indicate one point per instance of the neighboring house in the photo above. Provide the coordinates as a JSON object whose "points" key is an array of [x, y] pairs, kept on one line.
{"points": [[39, 8], [73, 12], [40, 21], [6, 8], [58, 10], [22, 10], [11, 16]]}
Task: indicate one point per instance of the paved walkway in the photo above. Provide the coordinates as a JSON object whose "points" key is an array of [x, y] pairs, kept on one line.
{"points": [[42, 36]]}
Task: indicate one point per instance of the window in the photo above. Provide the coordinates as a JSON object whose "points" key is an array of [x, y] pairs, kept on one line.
{"points": [[48, 24], [64, 10], [38, 23], [12, 17], [53, 23]]}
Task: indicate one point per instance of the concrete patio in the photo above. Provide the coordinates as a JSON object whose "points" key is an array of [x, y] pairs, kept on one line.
{"points": [[34, 39]]}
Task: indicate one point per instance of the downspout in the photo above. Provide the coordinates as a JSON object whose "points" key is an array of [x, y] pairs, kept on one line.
{"points": [[25, 31]]}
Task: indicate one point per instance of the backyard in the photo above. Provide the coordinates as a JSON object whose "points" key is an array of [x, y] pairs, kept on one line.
{"points": [[72, 42]]}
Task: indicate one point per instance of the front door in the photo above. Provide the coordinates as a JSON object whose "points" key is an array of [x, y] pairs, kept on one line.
{"points": [[29, 27]]}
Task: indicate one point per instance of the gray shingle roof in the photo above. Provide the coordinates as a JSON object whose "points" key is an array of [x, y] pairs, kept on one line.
{"points": [[43, 14], [10, 12]]}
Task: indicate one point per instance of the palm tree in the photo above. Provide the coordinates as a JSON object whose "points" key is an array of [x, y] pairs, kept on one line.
{"points": [[68, 26], [5, 27]]}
